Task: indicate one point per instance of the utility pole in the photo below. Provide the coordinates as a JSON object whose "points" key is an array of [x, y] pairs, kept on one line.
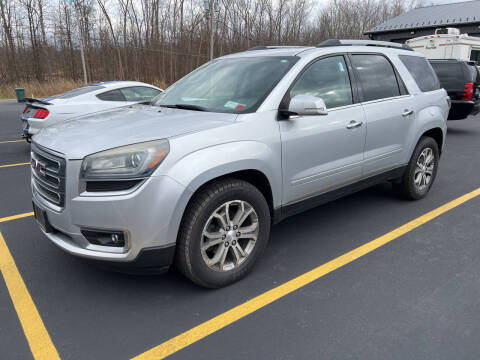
{"points": [[82, 54], [80, 36], [212, 11]]}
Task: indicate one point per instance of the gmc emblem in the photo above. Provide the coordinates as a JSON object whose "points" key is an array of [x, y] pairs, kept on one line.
{"points": [[38, 167]]}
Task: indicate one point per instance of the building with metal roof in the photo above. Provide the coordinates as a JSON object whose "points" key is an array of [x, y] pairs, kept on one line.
{"points": [[424, 20]]}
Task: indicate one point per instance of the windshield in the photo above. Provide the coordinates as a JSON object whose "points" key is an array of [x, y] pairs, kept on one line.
{"points": [[237, 85]]}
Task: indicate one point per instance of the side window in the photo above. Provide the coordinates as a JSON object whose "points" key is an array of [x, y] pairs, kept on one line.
{"points": [[139, 93], [146, 92], [327, 79], [376, 76], [422, 72], [475, 55], [113, 95]]}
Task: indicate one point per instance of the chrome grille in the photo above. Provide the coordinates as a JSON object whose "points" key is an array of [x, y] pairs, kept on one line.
{"points": [[48, 174]]}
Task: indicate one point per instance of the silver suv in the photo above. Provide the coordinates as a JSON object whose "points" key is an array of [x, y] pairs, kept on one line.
{"points": [[239, 144]]}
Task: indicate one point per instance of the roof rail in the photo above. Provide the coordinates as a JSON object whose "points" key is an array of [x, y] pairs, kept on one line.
{"points": [[265, 47], [335, 42]]}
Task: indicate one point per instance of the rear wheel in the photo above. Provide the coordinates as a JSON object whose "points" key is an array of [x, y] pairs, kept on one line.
{"points": [[225, 229], [421, 170]]}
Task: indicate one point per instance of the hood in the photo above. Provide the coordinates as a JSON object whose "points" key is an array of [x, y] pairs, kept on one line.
{"points": [[128, 125]]}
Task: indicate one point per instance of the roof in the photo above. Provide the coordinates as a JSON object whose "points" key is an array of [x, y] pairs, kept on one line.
{"points": [[312, 52], [433, 16], [121, 83], [259, 51]]}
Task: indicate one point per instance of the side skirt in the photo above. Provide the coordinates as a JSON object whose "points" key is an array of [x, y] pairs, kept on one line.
{"points": [[310, 203]]}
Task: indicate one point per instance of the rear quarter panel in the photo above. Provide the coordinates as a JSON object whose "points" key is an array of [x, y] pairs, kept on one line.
{"points": [[431, 109], [432, 112]]}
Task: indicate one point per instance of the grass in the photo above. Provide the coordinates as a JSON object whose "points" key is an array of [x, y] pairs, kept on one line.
{"points": [[38, 89], [43, 89]]}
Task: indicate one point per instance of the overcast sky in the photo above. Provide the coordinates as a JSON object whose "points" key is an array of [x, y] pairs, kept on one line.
{"points": [[437, 2], [426, 2]]}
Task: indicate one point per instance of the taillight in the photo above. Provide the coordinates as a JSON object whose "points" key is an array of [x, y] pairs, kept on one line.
{"points": [[468, 92], [41, 114], [449, 102], [25, 110]]}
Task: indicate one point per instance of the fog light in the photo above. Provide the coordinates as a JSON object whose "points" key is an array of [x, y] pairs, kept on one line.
{"points": [[115, 238], [105, 238]]}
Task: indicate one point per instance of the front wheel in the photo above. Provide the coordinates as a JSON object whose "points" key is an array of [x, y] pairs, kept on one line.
{"points": [[421, 170], [224, 230]]}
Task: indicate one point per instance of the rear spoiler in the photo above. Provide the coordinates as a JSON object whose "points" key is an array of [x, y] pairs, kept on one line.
{"points": [[32, 100]]}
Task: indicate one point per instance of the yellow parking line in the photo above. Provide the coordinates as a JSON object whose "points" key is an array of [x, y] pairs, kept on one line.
{"points": [[14, 217], [11, 141], [209, 327], [41, 344], [18, 164]]}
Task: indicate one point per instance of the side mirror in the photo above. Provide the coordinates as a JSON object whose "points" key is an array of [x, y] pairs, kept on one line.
{"points": [[307, 105]]}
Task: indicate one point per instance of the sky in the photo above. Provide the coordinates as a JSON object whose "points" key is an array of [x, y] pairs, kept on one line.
{"points": [[438, 2], [320, 3]]}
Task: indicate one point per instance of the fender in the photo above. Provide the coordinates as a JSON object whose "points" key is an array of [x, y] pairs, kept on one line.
{"points": [[199, 167], [427, 119]]}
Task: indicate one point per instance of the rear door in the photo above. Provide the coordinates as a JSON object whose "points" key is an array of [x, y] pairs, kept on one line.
{"points": [[388, 112]]}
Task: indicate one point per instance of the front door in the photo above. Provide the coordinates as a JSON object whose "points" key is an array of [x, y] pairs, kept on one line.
{"points": [[323, 152]]}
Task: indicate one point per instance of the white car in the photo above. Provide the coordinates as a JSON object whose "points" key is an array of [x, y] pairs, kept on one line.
{"points": [[39, 114]]}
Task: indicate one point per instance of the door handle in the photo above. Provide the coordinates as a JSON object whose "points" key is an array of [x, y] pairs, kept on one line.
{"points": [[407, 112], [354, 124]]}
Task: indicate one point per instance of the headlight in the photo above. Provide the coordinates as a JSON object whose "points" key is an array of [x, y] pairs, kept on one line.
{"points": [[126, 162]]}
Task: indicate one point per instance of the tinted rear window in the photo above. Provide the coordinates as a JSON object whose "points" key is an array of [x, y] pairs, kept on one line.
{"points": [[377, 77], [422, 72], [80, 91], [450, 74], [112, 95]]}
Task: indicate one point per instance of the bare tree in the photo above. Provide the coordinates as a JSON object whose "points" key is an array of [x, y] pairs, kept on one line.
{"points": [[159, 41]]}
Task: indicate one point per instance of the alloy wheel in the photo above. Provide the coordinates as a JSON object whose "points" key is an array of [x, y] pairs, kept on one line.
{"points": [[229, 235], [424, 170]]}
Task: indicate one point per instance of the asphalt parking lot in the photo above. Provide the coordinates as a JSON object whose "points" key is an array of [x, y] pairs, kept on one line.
{"points": [[416, 297]]}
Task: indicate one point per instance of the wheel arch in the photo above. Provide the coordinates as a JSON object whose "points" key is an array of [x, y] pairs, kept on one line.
{"points": [[437, 135], [253, 176], [201, 168]]}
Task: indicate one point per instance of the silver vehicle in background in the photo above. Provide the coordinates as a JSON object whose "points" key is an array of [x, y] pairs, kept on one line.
{"points": [[41, 113], [198, 178]]}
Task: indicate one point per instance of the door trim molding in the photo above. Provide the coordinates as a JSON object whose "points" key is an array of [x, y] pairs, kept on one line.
{"points": [[294, 208]]}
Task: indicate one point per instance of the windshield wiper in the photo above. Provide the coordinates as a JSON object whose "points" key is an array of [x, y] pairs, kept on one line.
{"points": [[185, 107]]}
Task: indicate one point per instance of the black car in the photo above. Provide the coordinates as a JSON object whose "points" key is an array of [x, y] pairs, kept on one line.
{"points": [[461, 79]]}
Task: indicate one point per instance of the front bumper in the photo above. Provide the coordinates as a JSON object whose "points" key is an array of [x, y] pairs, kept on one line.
{"points": [[149, 215], [154, 260]]}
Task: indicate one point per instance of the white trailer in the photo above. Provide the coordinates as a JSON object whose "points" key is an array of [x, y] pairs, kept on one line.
{"points": [[447, 44]]}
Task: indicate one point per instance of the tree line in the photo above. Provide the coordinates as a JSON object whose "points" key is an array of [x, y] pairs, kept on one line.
{"points": [[158, 41]]}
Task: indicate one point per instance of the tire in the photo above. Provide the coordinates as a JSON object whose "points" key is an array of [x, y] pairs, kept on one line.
{"points": [[206, 215], [409, 186]]}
